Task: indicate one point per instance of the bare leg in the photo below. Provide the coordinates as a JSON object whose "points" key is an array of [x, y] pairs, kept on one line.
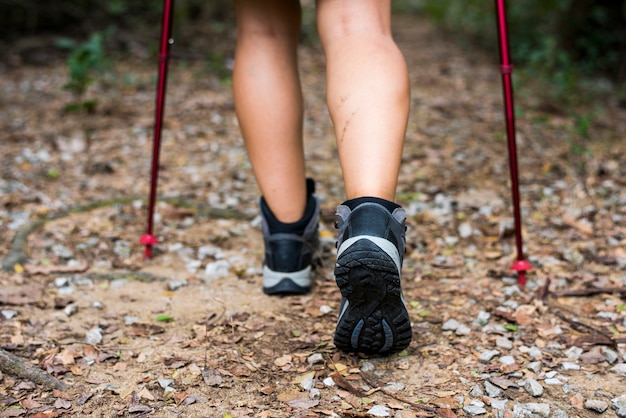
{"points": [[268, 101], [368, 93]]}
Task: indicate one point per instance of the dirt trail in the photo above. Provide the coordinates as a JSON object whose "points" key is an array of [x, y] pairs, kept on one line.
{"points": [[189, 333]]}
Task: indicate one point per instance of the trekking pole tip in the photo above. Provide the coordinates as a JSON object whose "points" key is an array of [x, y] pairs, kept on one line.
{"points": [[148, 240], [521, 266]]}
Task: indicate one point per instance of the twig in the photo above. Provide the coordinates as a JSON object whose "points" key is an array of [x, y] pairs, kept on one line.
{"points": [[426, 408], [590, 291], [580, 326], [14, 366]]}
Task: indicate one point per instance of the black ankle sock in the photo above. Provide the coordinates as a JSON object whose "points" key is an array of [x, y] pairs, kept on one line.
{"points": [[353, 203], [298, 226]]}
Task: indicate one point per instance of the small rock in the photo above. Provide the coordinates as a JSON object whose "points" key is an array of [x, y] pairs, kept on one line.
{"points": [[483, 318], [507, 360], [8, 313], [325, 309], [329, 382], [596, 405], [379, 411], [541, 409], [534, 366], [315, 393], [70, 309], [553, 381], [492, 390], [164, 383], [503, 342], [610, 355], [93, 336], [535, 353], [477, 392], [62, 251], [450, 325], [559, 413], [465, 230], [619, 369], [619, 404], [97, 305], [368, 366], [174, 285], [487, 355], [307, 384], [122, 248], [573, 353], [394, 386], [498, 404], [463, 330], [217, 269], [568, 365], [474, 410], [61, 282], [315, 358], [533, 388], [130, 320]]}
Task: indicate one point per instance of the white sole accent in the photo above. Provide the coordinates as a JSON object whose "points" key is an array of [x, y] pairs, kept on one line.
{"points": [[301, 278], [382, 243]]}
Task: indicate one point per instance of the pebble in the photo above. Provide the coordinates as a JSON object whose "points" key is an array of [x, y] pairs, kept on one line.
{"points": [[559, 413], [328, 382], [483, 318], [535, 353], [463, 330], [596, 405], [541, 409], [475, 408], [130, 320], [507, 360], [93, 336], [465, 230], [315, 393], [552, 381], [394, 386], [573, 353], [368, 366], [619, 404], [174, 285], [504, 343], [122, 248], [70, 309], [307, 384], [498, 404], [533, 388], [610, 355], [487, 355], [568, 365], [477, 392], [164, 383], [619, 369], [325, 309], [315, 358], [379, 411], [8, 313], [217, 269], [534, 366], [450, 325], [61, 282], [492, 390]]}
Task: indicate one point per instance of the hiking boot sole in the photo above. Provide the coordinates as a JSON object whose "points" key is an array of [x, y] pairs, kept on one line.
{"points": [[373, 319]]}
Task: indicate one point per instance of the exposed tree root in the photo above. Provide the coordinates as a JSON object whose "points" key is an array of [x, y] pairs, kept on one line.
{"points": [[14, 366], [18, 254]]}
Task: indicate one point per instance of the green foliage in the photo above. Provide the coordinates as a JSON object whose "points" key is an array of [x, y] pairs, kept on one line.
{"points": [[557, 40], [85, 61]]}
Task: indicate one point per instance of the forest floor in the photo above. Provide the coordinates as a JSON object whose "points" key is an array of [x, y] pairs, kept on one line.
{"points": [[189, 331]]}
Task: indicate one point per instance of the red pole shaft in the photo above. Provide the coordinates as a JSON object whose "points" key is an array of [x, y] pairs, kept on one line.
{"points": [[509, 113], [166, 40]]}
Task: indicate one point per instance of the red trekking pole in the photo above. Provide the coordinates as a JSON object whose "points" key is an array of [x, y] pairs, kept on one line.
{"points": [[166, 40], [520, 265]]}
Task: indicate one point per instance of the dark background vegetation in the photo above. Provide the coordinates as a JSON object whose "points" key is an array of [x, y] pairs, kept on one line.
{"points": [[569, 44]]}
